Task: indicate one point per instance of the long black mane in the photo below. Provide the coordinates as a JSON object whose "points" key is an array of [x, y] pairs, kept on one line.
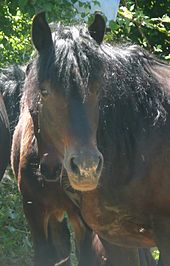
{"points": [[134, 108], [133, 94]]}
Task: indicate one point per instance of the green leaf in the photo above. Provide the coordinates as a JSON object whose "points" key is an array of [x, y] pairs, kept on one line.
{"points": [[113, 25]]}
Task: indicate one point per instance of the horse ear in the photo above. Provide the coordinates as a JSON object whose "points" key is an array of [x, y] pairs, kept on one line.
{"points": [[97, 28], [41, 33]]}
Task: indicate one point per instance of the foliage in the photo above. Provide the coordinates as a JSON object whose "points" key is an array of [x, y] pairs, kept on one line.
{"points": [[16, 18], [14, 37], [155, 253], [144, 22], [15, 244]]}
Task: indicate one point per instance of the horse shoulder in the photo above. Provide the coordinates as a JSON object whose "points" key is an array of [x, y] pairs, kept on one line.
{"points": [[22, 137]]}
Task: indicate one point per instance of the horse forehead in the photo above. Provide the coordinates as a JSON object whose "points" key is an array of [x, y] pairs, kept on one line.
{"points": [[75, 33], [72, 33]]}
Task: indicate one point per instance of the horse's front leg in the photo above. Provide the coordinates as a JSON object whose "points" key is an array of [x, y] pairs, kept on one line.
{"points": [[37, 217], [161, 228], [59, 236], [120, 256], [146, 258], [44, 210], [160, 262]]}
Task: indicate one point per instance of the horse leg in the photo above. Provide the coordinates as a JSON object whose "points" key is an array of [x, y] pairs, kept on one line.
{"points": [[59, 236], [92, 252], [96, 252], [120, 256], [86, 251], [44, 249], [161, 228], [160, 262], [146, 258]]}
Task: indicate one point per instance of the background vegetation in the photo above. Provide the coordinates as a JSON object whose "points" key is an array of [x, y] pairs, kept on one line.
{"points": [[145, 22]]}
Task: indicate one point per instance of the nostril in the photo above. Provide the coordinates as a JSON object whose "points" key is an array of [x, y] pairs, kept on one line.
{"points": [[86, 164], [100, 165], [74, 167], [44, 169]]}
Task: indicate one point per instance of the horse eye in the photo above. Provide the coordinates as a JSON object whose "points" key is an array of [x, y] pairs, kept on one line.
{"points": [[44, 92]]}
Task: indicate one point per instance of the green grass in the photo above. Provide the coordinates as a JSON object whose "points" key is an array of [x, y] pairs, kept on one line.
{"points": [[15, 243]]}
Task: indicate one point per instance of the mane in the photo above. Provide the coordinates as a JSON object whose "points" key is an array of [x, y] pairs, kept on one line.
{"points": [[11, 83], [132, 84], [133, 107]]}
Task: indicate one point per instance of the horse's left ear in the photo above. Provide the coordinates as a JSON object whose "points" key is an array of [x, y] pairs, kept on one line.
{"points": [[97, 28], [41, 33]]}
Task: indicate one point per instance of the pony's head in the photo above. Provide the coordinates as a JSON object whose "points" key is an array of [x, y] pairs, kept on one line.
{"points": [[67, 77]]}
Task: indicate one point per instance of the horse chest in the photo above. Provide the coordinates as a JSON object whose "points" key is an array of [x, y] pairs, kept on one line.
{"points": [[117, 224]]}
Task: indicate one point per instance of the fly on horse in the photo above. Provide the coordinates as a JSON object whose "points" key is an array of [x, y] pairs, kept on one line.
{"points": [[93, 141], [11, 79]]}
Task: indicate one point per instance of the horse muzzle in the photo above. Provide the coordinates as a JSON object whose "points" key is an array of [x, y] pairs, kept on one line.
{"points": [[84, 168]]}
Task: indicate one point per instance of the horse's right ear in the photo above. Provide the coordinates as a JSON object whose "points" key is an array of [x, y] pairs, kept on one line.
{"points": [[97, 28], [41, 33]]}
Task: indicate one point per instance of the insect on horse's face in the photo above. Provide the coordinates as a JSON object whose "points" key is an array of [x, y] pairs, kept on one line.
{"points": [[71, 122]]}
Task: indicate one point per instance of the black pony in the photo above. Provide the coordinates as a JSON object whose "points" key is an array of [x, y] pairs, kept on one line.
{"points": [[11, 83], [93, 141], [4, 138]]}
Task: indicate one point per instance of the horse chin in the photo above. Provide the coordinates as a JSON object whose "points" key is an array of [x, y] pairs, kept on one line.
{"points": [[83, 186]]}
